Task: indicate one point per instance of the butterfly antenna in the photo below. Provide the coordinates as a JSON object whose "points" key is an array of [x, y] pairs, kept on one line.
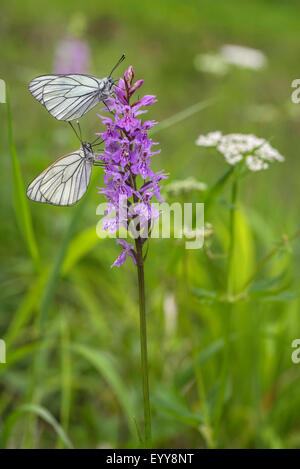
{"points": [[117, 64], [96, 140], [74, 130], [79, 128], [97, 144]]}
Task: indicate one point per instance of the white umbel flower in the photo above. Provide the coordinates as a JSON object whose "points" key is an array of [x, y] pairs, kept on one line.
{"points": [[209, 140], [242, 56], [189, 184], [257, 152], [228, 57]]}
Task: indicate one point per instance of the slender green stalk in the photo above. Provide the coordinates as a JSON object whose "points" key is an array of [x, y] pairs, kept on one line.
{"points": [[223, 375], [227, 311], [230, 286], [143, 338], [257, 391]]}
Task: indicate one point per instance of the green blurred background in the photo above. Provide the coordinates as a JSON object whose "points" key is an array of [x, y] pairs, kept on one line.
{"points": [[79, 377]]}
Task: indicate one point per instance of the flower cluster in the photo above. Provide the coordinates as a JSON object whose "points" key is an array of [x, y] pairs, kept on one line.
{"points": [[130, 183], [244, 57], [185, 186], [256, 152], [220, 62]]}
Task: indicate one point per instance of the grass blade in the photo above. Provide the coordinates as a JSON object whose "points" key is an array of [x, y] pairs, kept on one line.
{"points": [[18, 354], [106, 368], [182, 115], [66, 376], [41, 412], [21, 206], [55, 270], [79, 247], [216, 189], [57, 266], [25, 310]]}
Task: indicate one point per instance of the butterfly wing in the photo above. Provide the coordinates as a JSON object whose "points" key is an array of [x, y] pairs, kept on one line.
{"points": [[36, 86], [33, 190], [69, 97], [64, 182]]}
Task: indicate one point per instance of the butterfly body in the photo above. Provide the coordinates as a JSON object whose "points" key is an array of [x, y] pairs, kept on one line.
{"points": [[88, 152], [66, 180], [106, 87]]}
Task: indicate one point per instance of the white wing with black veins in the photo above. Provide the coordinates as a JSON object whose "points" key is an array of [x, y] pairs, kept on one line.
{"points": [[64, 182], [69, 97]]}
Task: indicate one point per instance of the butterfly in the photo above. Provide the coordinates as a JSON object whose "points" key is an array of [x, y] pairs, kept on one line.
{"points": [[69, 97], [65, 181]]}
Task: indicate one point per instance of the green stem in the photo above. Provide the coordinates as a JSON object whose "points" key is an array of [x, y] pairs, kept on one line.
{"points": [[143, 337], [227, 312], [234, 191]]}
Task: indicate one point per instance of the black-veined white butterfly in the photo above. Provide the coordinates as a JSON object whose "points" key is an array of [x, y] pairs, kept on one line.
{"points": [[66, 180], [69, 97]]}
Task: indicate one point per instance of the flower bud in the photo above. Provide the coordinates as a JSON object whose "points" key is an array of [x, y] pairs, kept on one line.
{"points": [[136, 86], [129, 75]]}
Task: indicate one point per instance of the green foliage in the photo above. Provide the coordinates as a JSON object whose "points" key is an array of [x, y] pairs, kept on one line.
{"points": [[221, 373], [21, 203], [104, 365], [42, 413]]}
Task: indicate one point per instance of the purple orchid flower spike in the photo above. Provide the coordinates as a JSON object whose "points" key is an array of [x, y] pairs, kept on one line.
{"points": [[130, 187], [127, 158]]}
